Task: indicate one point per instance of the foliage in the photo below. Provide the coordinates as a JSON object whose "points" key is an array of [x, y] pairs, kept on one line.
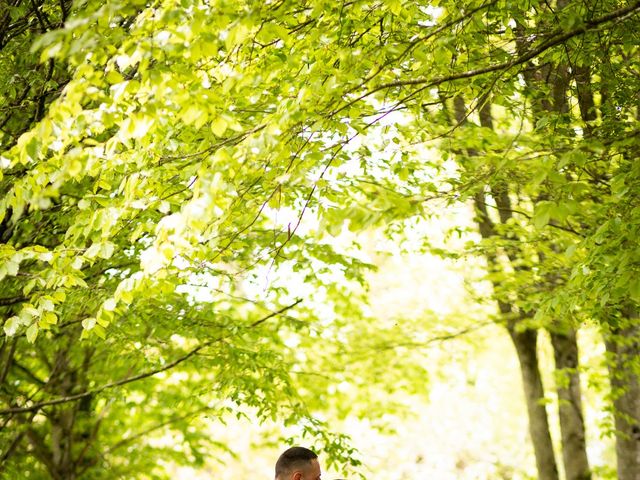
{"points": [[154, 216]]}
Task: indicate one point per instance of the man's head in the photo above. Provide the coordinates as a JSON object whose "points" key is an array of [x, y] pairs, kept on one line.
{"points": [[298, 463]]}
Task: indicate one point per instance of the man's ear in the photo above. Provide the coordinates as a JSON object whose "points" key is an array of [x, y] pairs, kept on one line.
{"points": [[297, 476]]}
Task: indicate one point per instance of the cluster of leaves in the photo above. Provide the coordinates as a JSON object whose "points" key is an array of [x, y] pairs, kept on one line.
{"points": [[140, 222], [190, 149]]}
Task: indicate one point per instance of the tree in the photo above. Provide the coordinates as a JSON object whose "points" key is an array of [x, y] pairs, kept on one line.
{"points": [[187, 132], [532, 64], [107, 339]]}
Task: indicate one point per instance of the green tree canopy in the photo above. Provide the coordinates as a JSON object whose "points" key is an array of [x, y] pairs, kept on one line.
{"points": [[169, 167]]}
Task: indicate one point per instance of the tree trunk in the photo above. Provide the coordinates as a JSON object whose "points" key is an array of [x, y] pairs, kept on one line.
{"points": [[623, 347], [565, 348], [525, 342], [623, 339], [526, 348], [574, 454]]}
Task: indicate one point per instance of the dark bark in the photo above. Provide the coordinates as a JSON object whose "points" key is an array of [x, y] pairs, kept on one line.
{"points": [[574, 453], [584, 93], [7, 359], [525, 343]]}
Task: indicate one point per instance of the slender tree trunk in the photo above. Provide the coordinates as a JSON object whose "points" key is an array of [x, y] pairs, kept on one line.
{"points": [[574, 453], [70, 426], [623, 340], [525, 342], [623, 347], [526, 347], [557, 78]]}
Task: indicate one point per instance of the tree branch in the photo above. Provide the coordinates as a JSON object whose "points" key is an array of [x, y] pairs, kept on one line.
{"points": [[7, 365], [29, 373], [556, 37], [7, 301], [141, 376]]}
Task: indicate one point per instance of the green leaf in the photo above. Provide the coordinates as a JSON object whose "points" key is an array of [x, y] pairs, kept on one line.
{"points": [[542, 214], [32, 149], [219, 126], [106, 250], [32, 332], [49, 318], [570, 251], [47, 304], [93, 250], [59, 296], [11, 326], [12, 268], [113, 77], [395, 6], [194, 115], [109, 305], [88, 323]]}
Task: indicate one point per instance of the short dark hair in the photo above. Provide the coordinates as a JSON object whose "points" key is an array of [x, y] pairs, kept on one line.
{"points": [[292, 458]]}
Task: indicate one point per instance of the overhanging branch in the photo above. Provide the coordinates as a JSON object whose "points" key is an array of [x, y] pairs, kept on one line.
{"points": [[141, 376], [557, 37]]}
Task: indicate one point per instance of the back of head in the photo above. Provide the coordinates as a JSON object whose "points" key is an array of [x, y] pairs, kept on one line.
{"points": [[295, 458]]}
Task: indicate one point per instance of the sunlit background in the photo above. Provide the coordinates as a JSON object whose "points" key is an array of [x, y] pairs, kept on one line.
{"points": [[470, 421]]}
